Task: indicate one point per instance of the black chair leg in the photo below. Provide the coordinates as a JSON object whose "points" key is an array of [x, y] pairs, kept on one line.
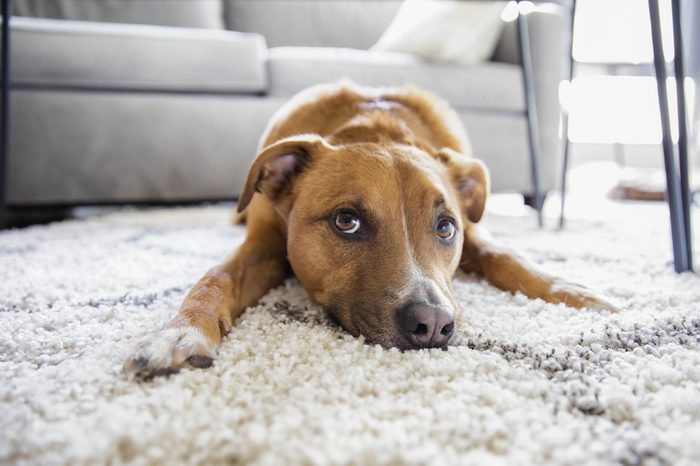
{"points": [[682, 131], [673, 184], [565, 122], [564, 172]]}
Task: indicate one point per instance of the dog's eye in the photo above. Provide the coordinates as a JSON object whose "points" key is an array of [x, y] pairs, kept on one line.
{"points": [[346, 222], [446, 229]]}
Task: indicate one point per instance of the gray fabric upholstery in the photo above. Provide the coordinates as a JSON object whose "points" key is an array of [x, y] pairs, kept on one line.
{"points": [[489, 85], [81, 147], [319, 23], [179, 13], [500, 140], [108, 55]]}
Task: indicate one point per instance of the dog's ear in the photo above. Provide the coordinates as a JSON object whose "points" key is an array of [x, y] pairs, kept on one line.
{"points": [[277, 165], [471, 178]]}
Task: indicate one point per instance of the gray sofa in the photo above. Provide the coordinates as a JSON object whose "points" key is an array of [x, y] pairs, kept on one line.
{"points": [[105, 110]]}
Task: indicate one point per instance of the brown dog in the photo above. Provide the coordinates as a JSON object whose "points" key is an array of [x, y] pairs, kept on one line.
{"points": [[372, 197]]}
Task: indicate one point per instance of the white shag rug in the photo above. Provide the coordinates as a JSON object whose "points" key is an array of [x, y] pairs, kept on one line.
{"points": [[529, 383]]}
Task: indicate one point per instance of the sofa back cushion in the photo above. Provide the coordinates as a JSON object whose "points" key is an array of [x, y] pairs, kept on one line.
{"points": [[312, 23], [179, 13]]}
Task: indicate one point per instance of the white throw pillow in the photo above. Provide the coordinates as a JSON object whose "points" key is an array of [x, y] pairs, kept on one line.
{"points": [[464, 32]]}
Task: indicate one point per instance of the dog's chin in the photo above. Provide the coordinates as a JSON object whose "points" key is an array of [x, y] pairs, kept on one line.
{"points": [[400, 342], [358, 328], [389, 341]]}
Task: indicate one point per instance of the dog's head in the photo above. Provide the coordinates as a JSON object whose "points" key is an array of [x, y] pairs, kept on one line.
{"points": [[375, 231]]}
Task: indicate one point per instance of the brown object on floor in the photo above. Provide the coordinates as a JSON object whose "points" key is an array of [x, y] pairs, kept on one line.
{"points": [[638, 184], [632, 193], [645, 184]]}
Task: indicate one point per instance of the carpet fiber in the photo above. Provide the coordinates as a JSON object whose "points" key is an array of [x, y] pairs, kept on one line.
{"points": [[527, 382]]}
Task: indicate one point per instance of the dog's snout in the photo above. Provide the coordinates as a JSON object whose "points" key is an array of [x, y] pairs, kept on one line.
{"points": [[426, 326]]}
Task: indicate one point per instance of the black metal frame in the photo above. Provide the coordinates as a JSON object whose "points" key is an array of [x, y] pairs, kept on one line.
{"points": [[682, 131], [530, 112], [4, 104], [677, 180]]}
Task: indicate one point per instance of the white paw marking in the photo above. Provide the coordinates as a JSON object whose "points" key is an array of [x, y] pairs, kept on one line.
{"points": [[166, 351]]}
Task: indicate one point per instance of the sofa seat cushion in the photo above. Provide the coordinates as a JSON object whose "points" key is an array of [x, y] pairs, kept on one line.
{"points": [[487, 85], [60, 53]]}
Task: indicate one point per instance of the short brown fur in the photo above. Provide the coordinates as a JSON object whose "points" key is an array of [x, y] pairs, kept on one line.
{"points": [[402, 157]]}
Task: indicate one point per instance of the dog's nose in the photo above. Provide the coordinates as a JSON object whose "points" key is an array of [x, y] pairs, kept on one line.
{"points": [[426, 326]]}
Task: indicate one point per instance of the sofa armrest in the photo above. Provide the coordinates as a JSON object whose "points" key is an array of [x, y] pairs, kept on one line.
{"points": [[549, 26]]}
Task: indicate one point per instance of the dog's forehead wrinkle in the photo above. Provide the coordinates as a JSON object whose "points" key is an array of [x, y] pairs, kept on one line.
{"points": [[420, 180]]}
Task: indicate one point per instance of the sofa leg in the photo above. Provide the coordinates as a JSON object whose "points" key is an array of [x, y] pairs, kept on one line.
{"points": [[24, 217], [530, 200]]}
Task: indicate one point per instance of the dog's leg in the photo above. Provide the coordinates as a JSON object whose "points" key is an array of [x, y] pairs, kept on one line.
{"points": [[212, 306], [510, 271]]}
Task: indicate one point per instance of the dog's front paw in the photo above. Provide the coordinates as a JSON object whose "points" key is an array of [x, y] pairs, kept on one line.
{"points": [[578, 296], [168, 350]]}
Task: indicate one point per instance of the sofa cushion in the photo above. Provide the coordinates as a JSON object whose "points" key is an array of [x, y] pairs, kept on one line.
{"points": [[313, 23], [62, 53], [194, 14], [496, 86]]}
